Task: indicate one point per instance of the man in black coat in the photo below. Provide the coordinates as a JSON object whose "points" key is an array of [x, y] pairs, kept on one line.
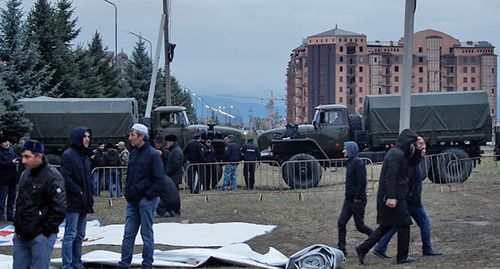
{"points": [[40, 209], [174, 160], [392, 210], [76, 170], [251, 154], [8, 178], [194, 156]]}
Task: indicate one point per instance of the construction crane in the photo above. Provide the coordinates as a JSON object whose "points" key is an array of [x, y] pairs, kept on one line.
{"points": [[270, 103]]}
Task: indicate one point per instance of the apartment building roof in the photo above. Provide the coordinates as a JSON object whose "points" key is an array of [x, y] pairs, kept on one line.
{"points": [[479, 44], [336, 32]]}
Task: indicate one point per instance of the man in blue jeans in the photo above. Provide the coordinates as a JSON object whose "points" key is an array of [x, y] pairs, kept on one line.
{"points": [[415, 208], [36, 232], [76, 170], [145, 173]]}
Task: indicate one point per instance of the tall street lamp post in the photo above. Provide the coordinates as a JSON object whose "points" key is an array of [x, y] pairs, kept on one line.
{"points": [[145, 39], [116, 30]]}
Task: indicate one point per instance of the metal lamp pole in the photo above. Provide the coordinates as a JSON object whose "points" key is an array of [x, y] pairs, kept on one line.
{"points": [[116, 30], [145, 39]]}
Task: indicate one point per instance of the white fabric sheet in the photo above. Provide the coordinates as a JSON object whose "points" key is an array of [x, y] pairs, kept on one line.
{"points": [[173, 234]]}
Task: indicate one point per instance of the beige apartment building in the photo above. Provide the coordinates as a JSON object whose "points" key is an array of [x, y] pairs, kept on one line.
{"points": [[342, 67]]}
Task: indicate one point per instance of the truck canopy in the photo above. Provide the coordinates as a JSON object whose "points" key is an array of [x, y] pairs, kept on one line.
{"points": [[54, 118], [439, 117]]}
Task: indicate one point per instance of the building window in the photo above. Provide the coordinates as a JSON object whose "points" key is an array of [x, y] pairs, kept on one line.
{"points": [[473, 69], [341, 99], [360, 69], [360, 89], [341, 79], [350, 101], [472, 88], [360, 49], [341, 49], [360, 79], [420, 89], [493, 70], [492, 91], [420, 59], [387, 90], [375, 59], [341, 89], [466, 59], [451, 50], [396, 68], [350, 91], [472, 59], [396, 79], [341, 59], [472, 80], [396, 88], [360, 100], [465, 79], [420, 69], [465, 89], [341, 69], [465, 69], [420, 49], [379, 90]]}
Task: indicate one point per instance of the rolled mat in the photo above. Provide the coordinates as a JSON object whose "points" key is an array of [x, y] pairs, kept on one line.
{"points": [[316, 257]]}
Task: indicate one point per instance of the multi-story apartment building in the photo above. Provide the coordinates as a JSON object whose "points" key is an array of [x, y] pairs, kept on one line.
{"points": [[342, 67]]}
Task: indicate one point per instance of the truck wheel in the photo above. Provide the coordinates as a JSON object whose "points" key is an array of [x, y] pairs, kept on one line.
{"points": [[355, 124], [454, 167], [302, 171]]}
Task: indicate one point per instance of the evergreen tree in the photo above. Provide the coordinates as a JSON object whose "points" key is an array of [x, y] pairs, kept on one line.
{"points": [[138, 75], [89, 81], [12, 120], [104, 67], [67, 25]]}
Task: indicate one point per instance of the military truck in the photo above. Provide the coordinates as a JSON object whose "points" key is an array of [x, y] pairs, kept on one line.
{"points": [[110, 120], [457, 123]]}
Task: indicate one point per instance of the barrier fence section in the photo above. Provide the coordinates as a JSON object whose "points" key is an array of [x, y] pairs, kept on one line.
{"points": [[109, 179]]}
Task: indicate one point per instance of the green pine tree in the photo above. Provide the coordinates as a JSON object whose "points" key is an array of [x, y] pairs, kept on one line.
{"points": [[138, 75]]}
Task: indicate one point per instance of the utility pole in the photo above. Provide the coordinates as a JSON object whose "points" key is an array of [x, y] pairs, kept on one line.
{"points": [[168, 91], [405, 109]]}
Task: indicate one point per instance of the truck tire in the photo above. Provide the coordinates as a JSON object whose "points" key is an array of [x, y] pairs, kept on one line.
{"points": [[302, 175], [454, 167], [355, 124]]}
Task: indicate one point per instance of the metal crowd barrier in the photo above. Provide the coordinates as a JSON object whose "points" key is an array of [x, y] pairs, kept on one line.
{"points": [[109, 179]]}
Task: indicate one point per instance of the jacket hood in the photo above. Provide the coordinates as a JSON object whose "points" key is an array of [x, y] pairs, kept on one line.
{"points": [[405, 138], [352, 149], [76, 139]]}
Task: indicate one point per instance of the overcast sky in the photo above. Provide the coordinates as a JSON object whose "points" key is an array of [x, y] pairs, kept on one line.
{"points": [[243, 46]]}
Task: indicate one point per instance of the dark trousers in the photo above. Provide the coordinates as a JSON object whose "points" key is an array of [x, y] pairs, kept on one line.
{"points": [[7, 192], [249, 174], [403, 240], [193, 178], [210, 176], [356, 210]]}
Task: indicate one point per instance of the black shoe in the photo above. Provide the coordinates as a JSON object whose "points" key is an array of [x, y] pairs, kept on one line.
{"points": [[407, 260], [432, 253], [382, 255], [361, 255]]}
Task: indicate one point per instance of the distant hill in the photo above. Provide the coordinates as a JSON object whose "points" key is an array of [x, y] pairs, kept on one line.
{"points": [[241, 107]]}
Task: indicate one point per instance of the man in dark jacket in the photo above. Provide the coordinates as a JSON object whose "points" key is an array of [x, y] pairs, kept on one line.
{"points": [[392, 210], [174, 160], [211, 168], [75, 168], [99, 162], [8, 178], [112, 161], [415, 207], [194, 156], [231, 157], [40, 209], [145, 174], [251, 154], [355, 194]]}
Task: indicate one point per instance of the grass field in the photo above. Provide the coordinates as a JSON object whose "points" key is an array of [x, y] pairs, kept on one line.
{"points": [[465, 219]]}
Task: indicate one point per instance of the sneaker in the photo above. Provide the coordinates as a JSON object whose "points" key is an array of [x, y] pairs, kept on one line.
{"points": [[407, 260], [380, 254]]}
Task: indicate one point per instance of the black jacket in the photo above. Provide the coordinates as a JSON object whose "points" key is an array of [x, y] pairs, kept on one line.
{"points": [[169, 196], [75, 168], [41, 202], [232, 152], [112, 157], [393, 182], [251, 152], [355, 182], [174, 163], [194, 152], [209, 154], [8, 173], [145, 174]]}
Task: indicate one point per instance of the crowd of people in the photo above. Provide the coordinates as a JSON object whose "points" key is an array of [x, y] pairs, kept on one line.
{"points": [[48, 196]]}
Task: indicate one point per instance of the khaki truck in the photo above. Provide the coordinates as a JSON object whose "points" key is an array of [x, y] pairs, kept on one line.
{"points": [[455, 124]]}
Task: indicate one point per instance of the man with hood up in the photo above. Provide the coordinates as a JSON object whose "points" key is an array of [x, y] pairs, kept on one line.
{"points": [[355, 194], [75, 168], [392, 210]]}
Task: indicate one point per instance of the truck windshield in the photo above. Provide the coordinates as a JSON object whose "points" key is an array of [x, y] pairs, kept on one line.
{"points": [[178, 118], [334, 116]]}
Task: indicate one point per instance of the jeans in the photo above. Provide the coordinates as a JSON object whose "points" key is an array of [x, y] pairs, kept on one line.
{"points": [[419, 214], [139, 215], [356, 210], [113, 179], [7, 192], [74, 233], [34, 253], [98, 177], [230, 177]]}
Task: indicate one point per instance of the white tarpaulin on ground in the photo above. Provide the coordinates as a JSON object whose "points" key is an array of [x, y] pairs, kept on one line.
{"points": [[173, 234]]}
